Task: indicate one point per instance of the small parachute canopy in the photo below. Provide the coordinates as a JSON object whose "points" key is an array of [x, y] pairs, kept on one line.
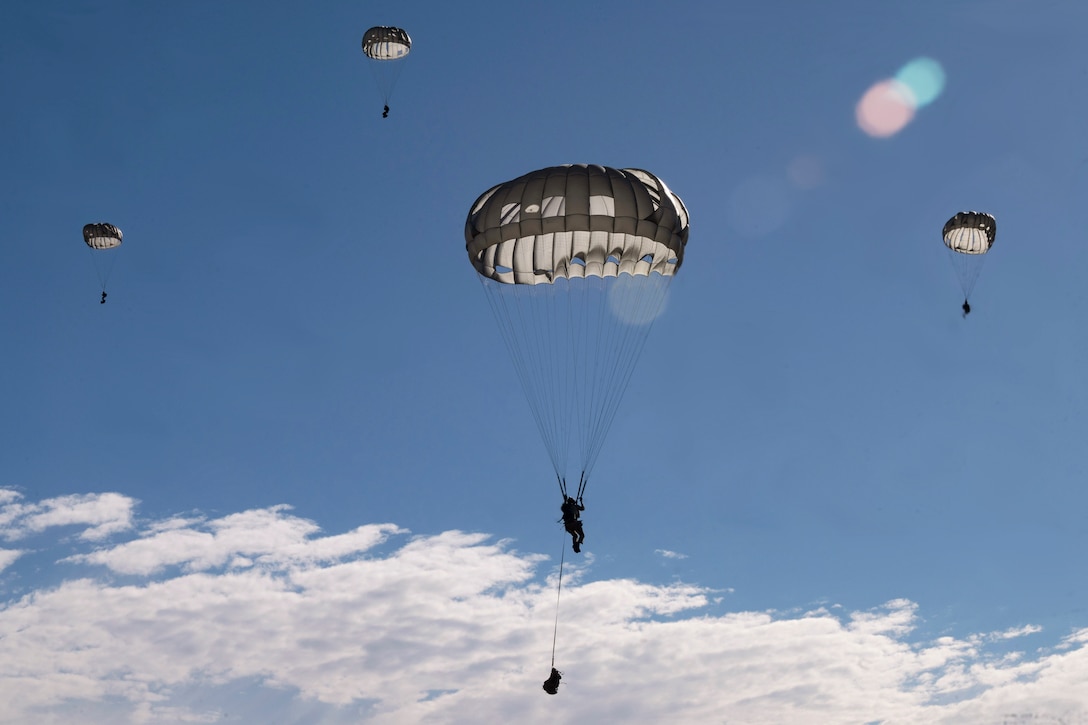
{"points": [[382, 44], [970, 232], [100, 239], [102, 236], [386, 43], [969, 236], [575, 221]]}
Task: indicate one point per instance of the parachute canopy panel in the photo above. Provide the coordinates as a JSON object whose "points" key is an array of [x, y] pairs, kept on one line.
{"points": [[970, 232], [386, 43], [575, 221], [102, 236]]}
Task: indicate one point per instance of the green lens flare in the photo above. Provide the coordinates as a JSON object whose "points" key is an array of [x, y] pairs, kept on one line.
{"points": [[925, 79]]}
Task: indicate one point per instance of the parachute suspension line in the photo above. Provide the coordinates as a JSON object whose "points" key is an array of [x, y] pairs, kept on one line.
{"points": [[641, 299], [103, 267], [548, 319], [559, 590], [601, 358], [386, 78], [528, 330], [564, 382], [591, 326], [968, 267], [582, 481], [597, 400], [97, 267], [575, 345], [508, 317]]}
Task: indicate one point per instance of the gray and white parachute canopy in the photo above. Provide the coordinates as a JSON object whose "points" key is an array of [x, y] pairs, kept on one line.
{"points": [[102, 236], [577, 221], [576, 262], [970, 232], [969, 236], [386, 43]]}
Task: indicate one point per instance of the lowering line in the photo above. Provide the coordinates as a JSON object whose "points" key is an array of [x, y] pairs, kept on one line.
{"points": [[555, 631]]}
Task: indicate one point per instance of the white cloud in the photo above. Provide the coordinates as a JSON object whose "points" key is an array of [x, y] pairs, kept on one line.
{"points": [[258, 616], [102, 514], [1017, 632], [265, 536], [8, 557], [665, 553]]}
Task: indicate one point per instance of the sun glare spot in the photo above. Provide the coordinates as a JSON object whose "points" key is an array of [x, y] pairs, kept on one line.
{"points": [[886, 108], [638, 300], [759, 206], [925, 79], [805, 171]]}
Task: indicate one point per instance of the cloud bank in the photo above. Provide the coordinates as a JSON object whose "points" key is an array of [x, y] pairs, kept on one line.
{"points": [[259, 616]]}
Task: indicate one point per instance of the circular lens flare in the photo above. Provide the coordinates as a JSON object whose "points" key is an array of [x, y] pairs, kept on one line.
{"points": [[886, 108], [759, 206], [806, 171], [638, 300], [925, 79]]}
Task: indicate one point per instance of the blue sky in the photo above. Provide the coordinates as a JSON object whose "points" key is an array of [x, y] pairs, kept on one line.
{"points": [[820, 466]]}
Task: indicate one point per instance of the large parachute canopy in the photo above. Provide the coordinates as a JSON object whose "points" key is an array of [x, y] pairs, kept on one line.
{"points": [[103, 241], [969, 236], [383, 44], [576, 261]]}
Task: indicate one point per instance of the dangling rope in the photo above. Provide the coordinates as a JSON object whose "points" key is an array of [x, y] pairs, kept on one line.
{"points": [[555, 631]]}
